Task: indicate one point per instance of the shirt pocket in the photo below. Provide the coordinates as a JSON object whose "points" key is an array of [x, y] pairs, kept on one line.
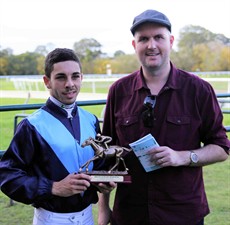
{"points": [[177, 134]]}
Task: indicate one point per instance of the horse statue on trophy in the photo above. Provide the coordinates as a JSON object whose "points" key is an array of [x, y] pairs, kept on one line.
{"points": [[104, 151]]}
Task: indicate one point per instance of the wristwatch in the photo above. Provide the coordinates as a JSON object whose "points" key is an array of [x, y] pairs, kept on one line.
{"points": [[193, 158]]}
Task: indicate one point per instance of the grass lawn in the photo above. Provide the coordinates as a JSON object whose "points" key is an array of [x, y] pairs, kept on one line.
{"points": [[217, 182]]}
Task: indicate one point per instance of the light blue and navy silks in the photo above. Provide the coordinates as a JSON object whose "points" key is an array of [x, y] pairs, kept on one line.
{"points": [[65, 146], [46, 148]]}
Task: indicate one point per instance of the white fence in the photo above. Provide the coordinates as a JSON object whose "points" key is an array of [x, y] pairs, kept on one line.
{"points": [[35, 83]]}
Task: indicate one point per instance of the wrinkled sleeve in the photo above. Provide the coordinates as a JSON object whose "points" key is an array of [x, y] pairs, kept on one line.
{"points": [[17, 173], [212, 129]]}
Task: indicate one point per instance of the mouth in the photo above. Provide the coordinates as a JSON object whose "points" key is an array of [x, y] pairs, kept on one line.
{"points": [[70, 94], [152, 54]]}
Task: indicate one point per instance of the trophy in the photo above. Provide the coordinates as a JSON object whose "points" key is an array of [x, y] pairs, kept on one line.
{"points": [[104, 151]]}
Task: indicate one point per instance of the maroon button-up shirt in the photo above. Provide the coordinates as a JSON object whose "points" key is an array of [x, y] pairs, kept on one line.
{"points": [[186, 115]]}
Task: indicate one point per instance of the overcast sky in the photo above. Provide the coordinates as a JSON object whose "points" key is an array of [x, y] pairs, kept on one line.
{"points": [[25, 24]]}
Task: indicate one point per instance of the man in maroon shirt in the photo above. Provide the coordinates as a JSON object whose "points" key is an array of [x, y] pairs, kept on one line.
{"points": [[181, 111]]}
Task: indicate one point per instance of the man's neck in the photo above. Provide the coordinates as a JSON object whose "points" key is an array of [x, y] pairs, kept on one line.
{"points": [[155, 80]]}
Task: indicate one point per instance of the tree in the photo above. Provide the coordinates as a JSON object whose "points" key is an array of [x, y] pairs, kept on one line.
{"points": [[193, 35], [100, 65], [44, 49], [87, 49], [124, 64], [224, 60], [23, 64], [41, 49], [199, 49], [40, 64], [3, 65], [118, 53], [4, 60], [6, 52]]}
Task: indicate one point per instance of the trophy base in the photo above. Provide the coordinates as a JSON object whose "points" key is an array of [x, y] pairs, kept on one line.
{"points": [[105, 176]]}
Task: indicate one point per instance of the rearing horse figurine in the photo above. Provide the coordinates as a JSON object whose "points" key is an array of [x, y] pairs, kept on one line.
{"points": [[104, 152]]}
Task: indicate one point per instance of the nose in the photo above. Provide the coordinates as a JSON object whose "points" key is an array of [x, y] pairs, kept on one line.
{"points": [[69, 82], [151, 43]]}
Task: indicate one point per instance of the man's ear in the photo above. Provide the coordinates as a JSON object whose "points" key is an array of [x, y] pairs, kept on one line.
{"points": [[46, 81], [134, 44]]}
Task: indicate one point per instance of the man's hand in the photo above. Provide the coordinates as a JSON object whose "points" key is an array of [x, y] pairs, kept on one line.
{"points": [[71, 185], [165, 156], [106, 187], [208, 154]]}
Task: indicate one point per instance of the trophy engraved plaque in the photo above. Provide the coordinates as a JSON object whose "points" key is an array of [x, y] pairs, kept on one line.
{"points": [[104, 151]]}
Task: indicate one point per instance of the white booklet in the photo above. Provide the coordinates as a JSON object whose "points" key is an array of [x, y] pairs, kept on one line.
{"points": [[141, 148]]}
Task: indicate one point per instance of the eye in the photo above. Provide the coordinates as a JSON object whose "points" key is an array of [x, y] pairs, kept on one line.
{"points": [[158, 37], [143, 39], [60, 77], [76, 76]]}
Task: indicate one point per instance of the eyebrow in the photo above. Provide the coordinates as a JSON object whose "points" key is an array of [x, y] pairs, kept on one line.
{"points": [[77, 72]]}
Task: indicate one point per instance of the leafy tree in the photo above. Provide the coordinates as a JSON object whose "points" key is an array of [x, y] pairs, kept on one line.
{"points": [[199, 49], [40, 64], [87, 49], [4, 60], [118, 53], [44, 49], [28, 63], [3, 65], [23, 64], [193, 35], [124, 64], [100, 65], [222, 39], [224, 60], [200, 52], [41, 49], [6, 52]]}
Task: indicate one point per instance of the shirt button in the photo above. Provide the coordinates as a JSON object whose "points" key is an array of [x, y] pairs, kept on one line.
{"points": [[166, 88], [127, 121], [178, 121]]}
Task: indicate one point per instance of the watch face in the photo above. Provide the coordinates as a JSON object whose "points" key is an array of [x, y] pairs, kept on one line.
{"points": [[194, 157]]}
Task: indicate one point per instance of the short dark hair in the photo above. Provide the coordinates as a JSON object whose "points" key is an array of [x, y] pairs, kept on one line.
{"points": [[60, 55]]}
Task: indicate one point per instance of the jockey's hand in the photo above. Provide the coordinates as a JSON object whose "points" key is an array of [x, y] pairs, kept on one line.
{"points": [[71, 185]]}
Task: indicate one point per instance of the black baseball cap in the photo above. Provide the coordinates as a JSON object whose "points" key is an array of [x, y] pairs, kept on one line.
{"points": [[151, 16]]}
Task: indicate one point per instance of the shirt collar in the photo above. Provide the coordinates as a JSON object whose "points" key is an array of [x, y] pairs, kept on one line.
{"points": [[173, 82], [140, 81], [57, 110]]}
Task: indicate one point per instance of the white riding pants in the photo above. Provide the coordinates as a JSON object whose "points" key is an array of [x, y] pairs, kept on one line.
{"points": [[45, 217]]}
